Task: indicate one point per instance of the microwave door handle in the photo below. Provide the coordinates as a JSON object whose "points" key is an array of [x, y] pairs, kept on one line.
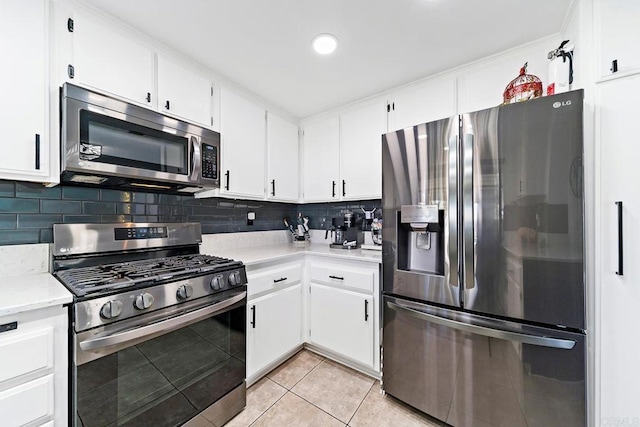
{"points": [[158, 328], [196, 159]]}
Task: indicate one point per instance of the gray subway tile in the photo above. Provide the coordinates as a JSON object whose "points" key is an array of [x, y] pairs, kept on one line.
{"points": [[144, 197], [46, 235], [28, 190], [38, 220], [99, 208], [81, 219], [108, 195], [61, 206], [115, 218], [19, 237], [81, 193], [152, 209], [7, 188], [130, 208], [8, 221], [13, 205]]}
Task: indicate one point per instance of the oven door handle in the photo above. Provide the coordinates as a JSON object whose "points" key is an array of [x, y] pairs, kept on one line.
{"points": [[161, 327]]}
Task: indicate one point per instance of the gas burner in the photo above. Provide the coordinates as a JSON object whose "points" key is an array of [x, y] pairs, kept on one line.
{"points": [[109, 277]]}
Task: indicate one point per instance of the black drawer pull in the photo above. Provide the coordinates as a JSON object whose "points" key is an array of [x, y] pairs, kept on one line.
{"points": [[253, 316], [148, 96], [8, 327], [366, 310], [282, 279], [344, 190], [336, 277], [226, 187], [37, 151], [273, 184], [620, 271], [333, 189], [167, 105]]}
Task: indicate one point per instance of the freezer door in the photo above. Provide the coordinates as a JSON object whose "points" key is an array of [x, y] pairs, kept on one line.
{"points": [[469, 370], [522, 241], [420, 211]]}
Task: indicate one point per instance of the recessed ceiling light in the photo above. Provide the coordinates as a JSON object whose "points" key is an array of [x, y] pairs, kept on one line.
{"points": [[325, 44]]}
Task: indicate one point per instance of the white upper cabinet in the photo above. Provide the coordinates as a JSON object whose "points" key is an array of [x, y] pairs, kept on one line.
{"points": [[321, 160], [26, 145], [243, 133], [183, 92], [423, 103], [617, 34], [112, 61], [282, 153], [361, 133]]}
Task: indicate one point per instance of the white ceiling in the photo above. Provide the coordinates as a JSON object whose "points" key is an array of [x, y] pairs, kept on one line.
{"points": [[265, 45]]}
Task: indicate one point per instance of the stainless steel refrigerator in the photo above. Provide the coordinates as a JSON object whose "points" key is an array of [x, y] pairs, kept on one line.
{"points": [[483, 266]]}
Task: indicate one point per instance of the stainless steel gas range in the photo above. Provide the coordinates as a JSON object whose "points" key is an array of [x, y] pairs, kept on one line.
{"points": [[157, 330]]}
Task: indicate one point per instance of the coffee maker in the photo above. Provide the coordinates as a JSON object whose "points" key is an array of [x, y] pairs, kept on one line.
{"points": [[346, 232]]}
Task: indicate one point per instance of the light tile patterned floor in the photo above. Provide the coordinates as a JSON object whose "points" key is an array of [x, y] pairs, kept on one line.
{"points": [[309, 390]]}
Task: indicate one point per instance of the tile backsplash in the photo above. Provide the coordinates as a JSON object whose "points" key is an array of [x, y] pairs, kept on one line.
{"points": [[29, 210]]}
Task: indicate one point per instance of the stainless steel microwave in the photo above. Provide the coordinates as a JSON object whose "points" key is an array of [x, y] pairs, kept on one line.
{"points": [[111, 143]]}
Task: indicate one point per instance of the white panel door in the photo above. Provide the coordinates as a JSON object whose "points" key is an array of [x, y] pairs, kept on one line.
{"points": [[619, 294], [361, 133], [112, 61], [243, 134], [283, 160], [423, 103], [184, 92], [342, 322], [274, 325], [321, 156], [24, 110], [617, 28]]}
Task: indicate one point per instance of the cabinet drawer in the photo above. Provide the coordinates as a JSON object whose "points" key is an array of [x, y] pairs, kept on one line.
{"points": [[341, 276], [27, 402], [267, 279], [22, 353]]}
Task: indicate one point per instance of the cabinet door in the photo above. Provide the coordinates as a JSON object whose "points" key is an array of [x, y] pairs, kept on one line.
{"points": [[423, 103], [273, 327], [111, 61], [342, 322], [24, 110], [242, 129], [619, 294], [361, 133], [282, 149], [617, 28], [183, 92], [321, 157]]}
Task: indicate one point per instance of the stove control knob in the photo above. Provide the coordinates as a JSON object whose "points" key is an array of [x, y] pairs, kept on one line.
{"points": [[234, 278], [184, 291], [143, 301], [217, 283], [111, 309]]}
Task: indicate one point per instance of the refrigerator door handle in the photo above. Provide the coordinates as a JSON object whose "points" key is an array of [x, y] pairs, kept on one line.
{"points": [[452, 213], [483, 330], [468, 216], [620, 270]]}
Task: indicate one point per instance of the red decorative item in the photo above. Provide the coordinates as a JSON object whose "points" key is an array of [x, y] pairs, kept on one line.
{"points": [[523, 88]]}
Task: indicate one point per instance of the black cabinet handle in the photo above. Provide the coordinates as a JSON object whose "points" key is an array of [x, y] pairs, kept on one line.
{"points": [[226, 187], [620, 271], [333, 189], [253, 316], [282, 279], [167, 105], [366, 310], [336, 277], [273, 187], [344, 191], [37, 151], [149, 97]]}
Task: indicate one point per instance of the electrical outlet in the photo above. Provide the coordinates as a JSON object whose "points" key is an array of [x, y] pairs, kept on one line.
{"points": [[251, 216]]}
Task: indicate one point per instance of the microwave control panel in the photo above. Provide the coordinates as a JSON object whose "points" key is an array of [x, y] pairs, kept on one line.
{"points": [[209, 161]]}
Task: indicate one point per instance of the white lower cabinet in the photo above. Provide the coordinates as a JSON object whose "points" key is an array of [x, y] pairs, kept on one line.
{"points": [[343, 312], [274, 316], [342, 321], [33, 367]]}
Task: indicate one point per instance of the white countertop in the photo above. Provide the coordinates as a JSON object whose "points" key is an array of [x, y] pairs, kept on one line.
{"points": [[31, 292], [259, 254]]}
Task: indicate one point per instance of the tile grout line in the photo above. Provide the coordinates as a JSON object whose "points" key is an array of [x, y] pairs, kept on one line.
{"points": [[363, 399], [273, 404], [305, 375], [317, 407]]}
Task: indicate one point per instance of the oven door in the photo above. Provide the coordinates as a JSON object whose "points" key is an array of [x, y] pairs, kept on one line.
{"points": [[163, 368]]}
